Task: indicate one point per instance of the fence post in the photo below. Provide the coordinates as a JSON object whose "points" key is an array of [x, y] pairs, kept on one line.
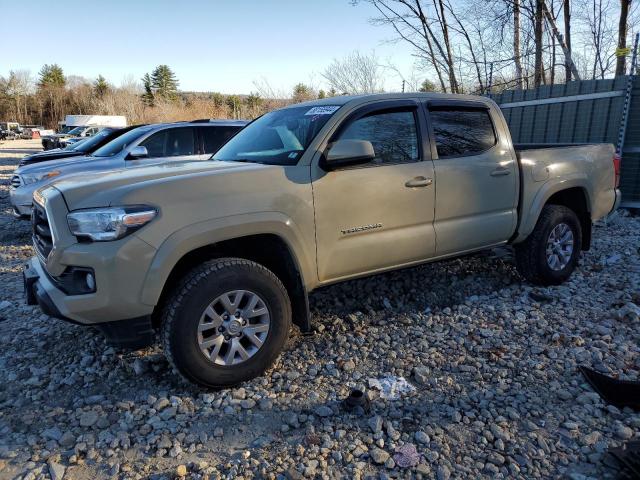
{"points": [[627, 99]]}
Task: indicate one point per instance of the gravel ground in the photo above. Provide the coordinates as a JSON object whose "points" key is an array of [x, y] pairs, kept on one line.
{"points": [[493, 363]]}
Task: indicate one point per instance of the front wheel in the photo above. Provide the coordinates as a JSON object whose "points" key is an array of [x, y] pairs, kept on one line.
{"points": [[227, 323], [550, 254]]}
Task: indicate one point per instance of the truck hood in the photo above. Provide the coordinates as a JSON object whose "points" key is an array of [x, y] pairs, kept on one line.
{"points": [[98, 189]]}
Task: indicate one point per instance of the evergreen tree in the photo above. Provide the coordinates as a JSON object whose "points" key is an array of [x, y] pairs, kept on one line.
{"points": [[233, 102], [100, 86], [218, 99], [322, 94], [427, 86], [51, 76], [302, 93], [164, 83], [147, 96]]}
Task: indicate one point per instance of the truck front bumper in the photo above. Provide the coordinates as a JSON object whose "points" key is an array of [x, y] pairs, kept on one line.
{"points": [[39, 289], [114, 307]]}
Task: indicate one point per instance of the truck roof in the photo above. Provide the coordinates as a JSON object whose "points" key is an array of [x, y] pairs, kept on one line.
{"points": [[345, 99]]}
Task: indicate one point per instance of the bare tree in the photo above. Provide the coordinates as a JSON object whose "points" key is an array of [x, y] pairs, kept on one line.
{"points": [[356, 73], [622, 36], [566, 8], [516, 43]]}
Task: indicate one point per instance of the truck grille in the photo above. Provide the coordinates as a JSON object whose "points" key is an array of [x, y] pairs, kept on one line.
{"points": [[42, 238], [16, 181]]}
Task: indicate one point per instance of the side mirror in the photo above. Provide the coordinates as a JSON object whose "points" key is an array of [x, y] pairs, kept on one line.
{"points": [[348, 152], [138, 152]]}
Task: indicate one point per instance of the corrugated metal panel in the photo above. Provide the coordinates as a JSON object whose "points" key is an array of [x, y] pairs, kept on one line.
{"points": [[595, 117]]}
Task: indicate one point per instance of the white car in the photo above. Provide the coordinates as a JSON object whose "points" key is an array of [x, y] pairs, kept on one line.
{"points": [[144, 145]]}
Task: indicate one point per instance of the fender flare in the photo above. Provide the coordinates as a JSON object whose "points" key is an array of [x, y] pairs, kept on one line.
{"points": [[209, 232], [550, 188]]}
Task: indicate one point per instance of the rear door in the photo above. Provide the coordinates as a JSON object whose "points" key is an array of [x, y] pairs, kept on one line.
{"points": [[475, 173], [378, 215]]}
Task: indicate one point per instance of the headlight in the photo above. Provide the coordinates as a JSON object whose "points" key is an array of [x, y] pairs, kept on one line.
{"points": [[105, 224], [36, 177]]}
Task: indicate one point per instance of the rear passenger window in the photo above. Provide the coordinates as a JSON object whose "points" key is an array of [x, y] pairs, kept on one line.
{"points": [[215, 137], [462, 131], [180, 141], [393, 135]]}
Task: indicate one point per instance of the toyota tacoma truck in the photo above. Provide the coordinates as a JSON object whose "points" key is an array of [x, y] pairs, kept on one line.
{"points": [[219, 256]]}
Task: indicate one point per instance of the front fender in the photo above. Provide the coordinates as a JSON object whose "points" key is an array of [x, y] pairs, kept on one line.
{"points": [[201, 234]]}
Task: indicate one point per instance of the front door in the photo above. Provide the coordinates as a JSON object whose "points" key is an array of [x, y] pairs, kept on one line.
{"points": [[378, 215], [169, 145], [476, 176]]}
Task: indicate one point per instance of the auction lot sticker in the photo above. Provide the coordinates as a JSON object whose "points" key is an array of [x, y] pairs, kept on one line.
{"points": [[328, 110]]}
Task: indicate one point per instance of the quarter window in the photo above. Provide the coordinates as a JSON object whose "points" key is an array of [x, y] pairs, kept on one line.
{"points": [[393, 135], [462, 131]]}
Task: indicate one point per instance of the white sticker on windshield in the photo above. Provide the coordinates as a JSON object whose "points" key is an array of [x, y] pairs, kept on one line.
{"points": [[323, 110]]}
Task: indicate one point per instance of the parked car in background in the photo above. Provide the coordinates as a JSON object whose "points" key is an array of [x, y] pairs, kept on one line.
{"points": [[10, 130], [83, 147], [143, 145], [81, 126], [220, 255]]}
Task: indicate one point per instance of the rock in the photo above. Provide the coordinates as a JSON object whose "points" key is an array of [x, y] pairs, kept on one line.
{"points": [[349, 366], [422, 437], [323, 411], [56, 471], [421, 375], [375, 424], [87, 419], [181, 471], [623, 432], [378, 456]]}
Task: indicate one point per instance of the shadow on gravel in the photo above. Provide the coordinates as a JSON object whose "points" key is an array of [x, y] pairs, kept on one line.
{"points": [[428, 287]]}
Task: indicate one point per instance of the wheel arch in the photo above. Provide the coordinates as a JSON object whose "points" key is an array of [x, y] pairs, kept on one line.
{"points": [[572, 193], [267, 245]]}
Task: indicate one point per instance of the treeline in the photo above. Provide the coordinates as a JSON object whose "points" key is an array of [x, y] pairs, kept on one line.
{"points": [[45, 100], [473, 46]]}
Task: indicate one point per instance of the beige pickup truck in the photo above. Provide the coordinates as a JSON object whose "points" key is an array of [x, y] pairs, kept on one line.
{"points": [[219, 256]]}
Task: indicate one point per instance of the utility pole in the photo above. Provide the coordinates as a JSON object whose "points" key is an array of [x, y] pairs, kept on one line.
{"points": [[402, 86]]}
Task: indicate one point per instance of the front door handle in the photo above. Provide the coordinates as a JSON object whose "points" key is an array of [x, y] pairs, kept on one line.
{"points": [[419, 182], [500, 172]]}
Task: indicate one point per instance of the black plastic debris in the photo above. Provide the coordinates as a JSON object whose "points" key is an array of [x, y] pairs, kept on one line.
{"points": [[628, 460], [620, 393], [357, 402]]}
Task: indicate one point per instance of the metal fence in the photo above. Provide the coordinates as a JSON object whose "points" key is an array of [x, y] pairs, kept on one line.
{"points": [[587, 111]]}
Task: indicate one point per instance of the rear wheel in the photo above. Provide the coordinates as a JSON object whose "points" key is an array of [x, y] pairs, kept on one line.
{"points": [[550, 254], [227, 323]]}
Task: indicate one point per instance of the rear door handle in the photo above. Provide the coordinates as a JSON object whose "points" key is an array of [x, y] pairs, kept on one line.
{"points": [[419, 182], [501, 171]]}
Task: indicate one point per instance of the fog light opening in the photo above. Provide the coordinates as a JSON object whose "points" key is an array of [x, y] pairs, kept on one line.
{"points": [[91, 282]]}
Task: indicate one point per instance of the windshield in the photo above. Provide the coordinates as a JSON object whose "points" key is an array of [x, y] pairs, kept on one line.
{"points": [[76, 131], [90, 143], [120, 143], [277, 138]]}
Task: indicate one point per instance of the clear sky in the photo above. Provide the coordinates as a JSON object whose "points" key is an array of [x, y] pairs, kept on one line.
{"points": [[216, 45]]}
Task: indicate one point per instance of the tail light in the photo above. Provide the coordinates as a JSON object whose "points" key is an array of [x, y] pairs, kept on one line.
{"points": [[616, 168]]}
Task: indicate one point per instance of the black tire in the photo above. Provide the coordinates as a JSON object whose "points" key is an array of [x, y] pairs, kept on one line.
{"points": [[531, 258], [198, 289]]}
